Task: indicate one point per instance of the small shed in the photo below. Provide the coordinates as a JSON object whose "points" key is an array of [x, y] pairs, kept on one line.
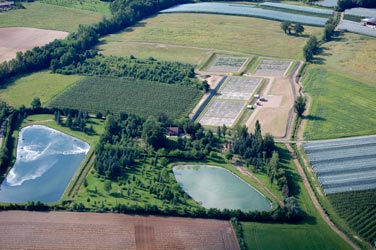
{"points": [[174, 131], [370, 21], [7, 4]]}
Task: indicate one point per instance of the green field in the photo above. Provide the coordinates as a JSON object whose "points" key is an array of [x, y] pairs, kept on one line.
{"points": [[47, 16], [217, 32], [45, 85], [343, 89], [90, 5], [143, 98], [160, 52], [358, 209], [313, 233]]}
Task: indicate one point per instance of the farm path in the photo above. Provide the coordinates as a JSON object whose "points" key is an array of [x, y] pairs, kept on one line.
{"points": [[316, 203], [244, 171]]}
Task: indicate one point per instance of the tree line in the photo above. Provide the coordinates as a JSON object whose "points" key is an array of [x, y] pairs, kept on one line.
{"points": [[347, 4], [77, 46], [312, 47], [149, 69]]}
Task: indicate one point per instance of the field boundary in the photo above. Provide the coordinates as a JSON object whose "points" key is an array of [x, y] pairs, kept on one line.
{"points": [[315, 201]]}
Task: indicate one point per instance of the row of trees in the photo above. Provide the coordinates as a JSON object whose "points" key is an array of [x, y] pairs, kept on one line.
{"points": [[312, 46], [347, 4], [150, 69], [77, 46]]}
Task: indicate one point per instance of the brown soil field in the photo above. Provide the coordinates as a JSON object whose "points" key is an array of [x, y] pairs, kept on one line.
{"points": [[14, 39], [71, 230], [273, 114]]}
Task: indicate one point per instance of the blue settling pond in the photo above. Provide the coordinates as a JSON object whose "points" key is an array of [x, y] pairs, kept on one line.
{"points": [[215, 187], [46, 162]]}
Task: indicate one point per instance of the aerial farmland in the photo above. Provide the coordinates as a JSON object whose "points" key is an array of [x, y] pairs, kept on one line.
{"points": [[180, 125]]}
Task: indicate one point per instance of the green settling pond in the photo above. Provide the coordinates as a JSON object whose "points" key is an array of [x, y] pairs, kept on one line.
{"points": [[215, 187]]}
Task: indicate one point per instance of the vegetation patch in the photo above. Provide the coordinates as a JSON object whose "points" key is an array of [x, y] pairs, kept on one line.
{"points": [[150, 69], [134, 96]]}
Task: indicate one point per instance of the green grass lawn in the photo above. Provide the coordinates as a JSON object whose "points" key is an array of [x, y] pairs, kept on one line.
{"points": [[219, 32], [162, 53], [341, 105], [45, 85], [47, 16], [90, 5], [343, 89], [133, 96], [313, 233]]}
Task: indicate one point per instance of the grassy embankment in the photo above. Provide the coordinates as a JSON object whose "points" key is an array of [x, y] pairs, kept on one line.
{"points": [[207, 32], [312, 233], [47, 16], [343, 89]]}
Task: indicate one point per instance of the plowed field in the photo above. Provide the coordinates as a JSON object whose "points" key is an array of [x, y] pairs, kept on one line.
{"points": [[14, 39], [68, 230]]}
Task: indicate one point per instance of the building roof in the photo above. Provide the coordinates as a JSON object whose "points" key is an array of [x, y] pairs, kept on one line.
{"points": [[370, 20], [6, 4]]}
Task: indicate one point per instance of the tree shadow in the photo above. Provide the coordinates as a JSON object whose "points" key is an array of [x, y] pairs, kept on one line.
{"points": [[314, 118], [318, 60], [131, 29]]}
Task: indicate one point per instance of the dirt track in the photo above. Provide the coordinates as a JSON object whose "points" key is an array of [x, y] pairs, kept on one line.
{"points": [[315, 202], [69, 230], [14, 39]]}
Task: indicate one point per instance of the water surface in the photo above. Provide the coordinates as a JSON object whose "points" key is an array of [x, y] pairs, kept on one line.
{"points": [[216, 187], [46, 162]]}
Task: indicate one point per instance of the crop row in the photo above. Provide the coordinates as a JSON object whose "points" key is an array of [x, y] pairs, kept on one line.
{"points": [[359, 210], [361, 12], [245, 10], [357, 28], [144, 98], [298, 8]]}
